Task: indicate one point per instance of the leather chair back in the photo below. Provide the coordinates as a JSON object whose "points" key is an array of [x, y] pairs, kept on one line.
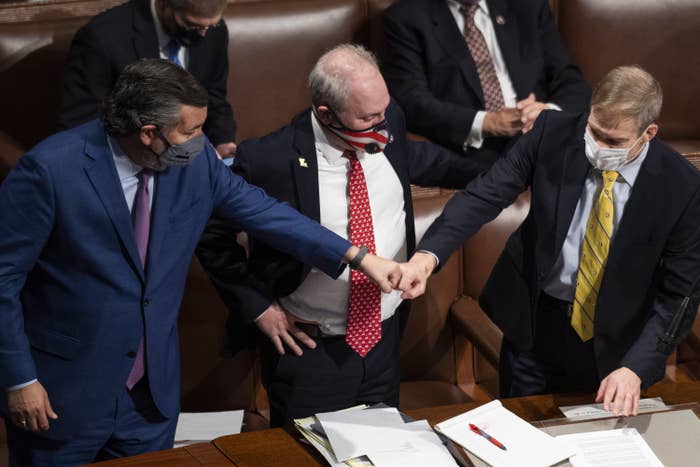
{"points": [[659, 36]]}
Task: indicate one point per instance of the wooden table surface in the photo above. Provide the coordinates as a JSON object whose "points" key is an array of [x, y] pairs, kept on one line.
{"points": [[281, 446]]}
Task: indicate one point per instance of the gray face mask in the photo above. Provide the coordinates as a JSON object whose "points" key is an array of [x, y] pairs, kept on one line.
{"points": [[183, 153]]}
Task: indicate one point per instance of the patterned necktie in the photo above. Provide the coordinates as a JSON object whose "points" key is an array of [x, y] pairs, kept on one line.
{"points": [[493, 95], [594, 256], [364, 328], [141, 217], [172, 50]]}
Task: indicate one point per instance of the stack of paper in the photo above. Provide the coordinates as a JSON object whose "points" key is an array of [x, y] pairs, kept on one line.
{"points": [[205, 426], [593, 411], [611, 448], [525, 445], [374, 436]]}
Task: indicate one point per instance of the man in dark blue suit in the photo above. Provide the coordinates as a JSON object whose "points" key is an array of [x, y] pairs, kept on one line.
{"points": [[99, 225], [353, 128], [191, 33], [473, 74], [600, 281]]}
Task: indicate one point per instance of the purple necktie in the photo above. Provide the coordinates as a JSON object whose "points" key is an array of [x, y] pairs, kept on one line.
{"points": [[141, 215]]}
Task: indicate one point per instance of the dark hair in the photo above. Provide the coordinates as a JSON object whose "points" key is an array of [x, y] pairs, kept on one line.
{"points": [[150, 91], [205, 8]]}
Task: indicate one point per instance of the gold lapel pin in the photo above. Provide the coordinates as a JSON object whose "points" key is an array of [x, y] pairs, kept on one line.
{"points": [[500, 20], [302, 162]]}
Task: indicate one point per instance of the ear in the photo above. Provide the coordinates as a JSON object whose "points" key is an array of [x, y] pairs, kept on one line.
{"points": [[148, 134], [651, 132], [323, 112]]}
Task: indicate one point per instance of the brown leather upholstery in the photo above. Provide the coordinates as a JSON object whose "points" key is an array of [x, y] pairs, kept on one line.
{"points": [[659, 36]]}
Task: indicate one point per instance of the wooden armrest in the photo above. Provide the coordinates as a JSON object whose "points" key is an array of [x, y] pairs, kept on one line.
{"points": [[471, 321]]}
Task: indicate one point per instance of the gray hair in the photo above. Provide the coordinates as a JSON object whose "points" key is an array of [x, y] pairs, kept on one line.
{"points": [[628, 92], [328, 80], [150, 92]]}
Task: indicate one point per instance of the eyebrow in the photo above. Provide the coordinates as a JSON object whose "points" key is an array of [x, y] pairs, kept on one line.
{"points": [[599, 134]]}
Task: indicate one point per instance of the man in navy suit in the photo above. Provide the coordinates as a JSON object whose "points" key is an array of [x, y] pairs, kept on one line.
{"points": [[188, 32], [353, 128], [99, 225], [473, 74], [600, 281]]}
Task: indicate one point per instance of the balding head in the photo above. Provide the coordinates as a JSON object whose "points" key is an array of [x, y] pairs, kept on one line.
{"points": [[346, 84]]}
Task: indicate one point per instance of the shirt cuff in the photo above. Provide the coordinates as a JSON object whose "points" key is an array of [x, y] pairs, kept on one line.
{"points": [[437, 260], [553, 106], [475, 138], [20, 386]]}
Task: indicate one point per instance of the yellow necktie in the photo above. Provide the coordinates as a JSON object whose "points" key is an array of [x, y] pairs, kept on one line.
{"points": [[594, 256]]}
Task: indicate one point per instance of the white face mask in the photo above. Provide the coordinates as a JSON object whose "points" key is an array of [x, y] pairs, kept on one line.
{"points": [[606, 158]]}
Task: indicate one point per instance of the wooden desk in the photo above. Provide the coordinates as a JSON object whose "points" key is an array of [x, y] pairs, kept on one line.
{"points": [[189, 456], [281, 446]]}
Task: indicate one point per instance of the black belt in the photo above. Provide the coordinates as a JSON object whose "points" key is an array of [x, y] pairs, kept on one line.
{"points": [[556, 303]]}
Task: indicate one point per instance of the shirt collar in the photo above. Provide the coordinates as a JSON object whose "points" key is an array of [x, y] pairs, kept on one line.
{"points": [[329, 145], [629, 172], [163, 37], [482, 5], [126, 168]]}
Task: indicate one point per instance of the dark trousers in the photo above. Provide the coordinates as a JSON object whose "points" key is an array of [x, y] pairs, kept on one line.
{"points": [[558, 361], [332, 376], [130, 424]]}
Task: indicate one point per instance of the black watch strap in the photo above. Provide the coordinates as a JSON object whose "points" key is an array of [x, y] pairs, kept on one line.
{"points": [[355, 262]]}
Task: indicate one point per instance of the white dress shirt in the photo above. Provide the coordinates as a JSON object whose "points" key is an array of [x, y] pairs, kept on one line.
{"points": [[483, 22], [164, 39], [562, 279], [320, 298], [126, 171]]}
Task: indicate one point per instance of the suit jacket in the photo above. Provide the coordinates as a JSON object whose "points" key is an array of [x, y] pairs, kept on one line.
{"points": [[124, 34], [272, 162], [654, 258], [431, 73], [74, 297]]}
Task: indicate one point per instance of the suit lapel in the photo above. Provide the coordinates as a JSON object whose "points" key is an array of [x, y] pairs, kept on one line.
{"points": [[637, 218], [574, 172], [305, 168], [506, 27], [103, 176], [448, 35], [145, 39]]}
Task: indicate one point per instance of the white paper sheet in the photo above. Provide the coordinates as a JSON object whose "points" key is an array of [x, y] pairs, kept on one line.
{"points": [[425, 449], [196, 427], [526, 445], [611, 448], [592, 411], [358, 432]]}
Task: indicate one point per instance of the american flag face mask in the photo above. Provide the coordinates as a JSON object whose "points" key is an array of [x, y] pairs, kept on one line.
{"points": [[370, 140]]}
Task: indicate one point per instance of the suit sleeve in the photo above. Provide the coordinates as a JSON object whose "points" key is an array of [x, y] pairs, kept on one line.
{"points": [[442, 121], [565, 84], [220, 126], [87, 80], [277, 224], [485, 197], [225, 262], [27, 211], [680, 278]]}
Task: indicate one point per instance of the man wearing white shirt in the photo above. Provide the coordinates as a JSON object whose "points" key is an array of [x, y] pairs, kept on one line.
{"points": [[473, 74], [346, 163], [189, 33]]}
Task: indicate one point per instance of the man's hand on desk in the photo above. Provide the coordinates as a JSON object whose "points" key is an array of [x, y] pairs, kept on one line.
{"points": [[415, 273], [280, 326], [30, 408], [620, 392]]}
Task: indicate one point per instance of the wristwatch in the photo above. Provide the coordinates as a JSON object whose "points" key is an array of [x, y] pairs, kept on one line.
{"points": [[355, 262]]}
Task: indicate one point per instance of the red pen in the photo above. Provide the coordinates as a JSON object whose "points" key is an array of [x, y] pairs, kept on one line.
{"points": [[491, 439]]}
